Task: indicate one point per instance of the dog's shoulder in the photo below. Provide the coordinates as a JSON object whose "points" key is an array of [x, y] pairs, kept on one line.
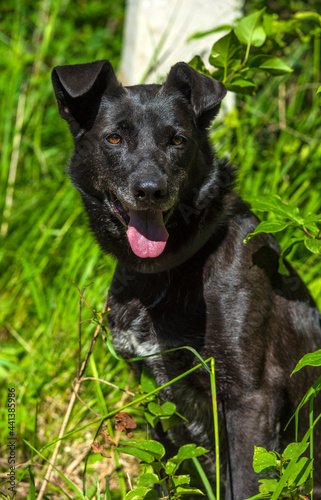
{"points": [[258, 264]]}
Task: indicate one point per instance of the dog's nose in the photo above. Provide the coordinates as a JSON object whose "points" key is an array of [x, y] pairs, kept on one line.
{"points": [[149, 190]]}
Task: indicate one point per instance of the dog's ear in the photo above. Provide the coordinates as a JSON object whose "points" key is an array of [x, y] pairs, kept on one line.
{"points": [[204, 93], [79, 88]]}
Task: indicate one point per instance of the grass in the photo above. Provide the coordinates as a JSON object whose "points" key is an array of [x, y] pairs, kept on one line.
{"points": [[275, 139], [43, 231]]}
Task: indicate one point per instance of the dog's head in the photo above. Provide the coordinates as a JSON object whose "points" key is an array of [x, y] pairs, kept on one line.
{"points": [[141, 154]]}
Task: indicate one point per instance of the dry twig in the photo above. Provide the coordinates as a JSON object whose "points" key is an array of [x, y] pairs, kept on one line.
{"points": [[71, 404]]}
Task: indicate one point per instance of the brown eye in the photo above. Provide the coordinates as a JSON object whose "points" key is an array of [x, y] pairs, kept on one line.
{"points": [[113, 139], [178, 140]]}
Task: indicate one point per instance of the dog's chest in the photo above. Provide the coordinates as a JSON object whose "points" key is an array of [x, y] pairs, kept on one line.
{"points": [[140, 330], [142, 327]]}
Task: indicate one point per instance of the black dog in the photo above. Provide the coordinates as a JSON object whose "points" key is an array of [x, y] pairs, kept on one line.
{"points": [[159, 200]]}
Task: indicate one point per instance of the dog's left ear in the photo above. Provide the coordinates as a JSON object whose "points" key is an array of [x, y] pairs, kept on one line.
{"points": [[204, 93]]}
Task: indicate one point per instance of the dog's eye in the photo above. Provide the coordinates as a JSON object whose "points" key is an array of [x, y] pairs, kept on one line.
{"points": [[113, 139], [178, 140]]}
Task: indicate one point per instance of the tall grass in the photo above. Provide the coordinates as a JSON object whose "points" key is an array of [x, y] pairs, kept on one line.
{"points": [[43, 231], [274, 138]]}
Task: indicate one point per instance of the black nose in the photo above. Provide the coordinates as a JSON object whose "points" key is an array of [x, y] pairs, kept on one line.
{"points": [[149, 190]]}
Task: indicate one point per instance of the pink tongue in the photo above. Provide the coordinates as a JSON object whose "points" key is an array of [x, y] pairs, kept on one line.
{"points": [[146, 232]]}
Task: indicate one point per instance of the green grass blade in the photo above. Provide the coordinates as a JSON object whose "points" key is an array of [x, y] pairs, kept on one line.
{"points": [[70, 484], [205, 481]]}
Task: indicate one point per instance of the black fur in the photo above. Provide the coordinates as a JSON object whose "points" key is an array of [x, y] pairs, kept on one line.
{"points": [[206, 288]]}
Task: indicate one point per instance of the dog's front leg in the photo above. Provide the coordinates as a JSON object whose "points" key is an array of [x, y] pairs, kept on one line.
{"points": [[251, 421]]}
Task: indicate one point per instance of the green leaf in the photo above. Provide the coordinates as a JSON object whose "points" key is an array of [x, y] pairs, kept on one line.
{"points": [[155, 409], [310, 218], [168, 408], [316, 387], [287, 248], [301, 471], [198, 64], [294, 448], [268, 21], [273, 203], [148, 479], [259, 496], [141, 494], [225, 52], [111, 349], [273, 65], [263, 459], [247, 30], [282, 269], [269, 226], [319, 90], [181, 490], [313, 245], [268, 485], [201, 34], [190, 451], [308, 487], [153, 447], [171, 466], [308, 16], [180, 480], [185, 452], [147, 380], [280, 27], [151, 419], [310, 359], [135, 452], [259, 37], [168, 422], [242, 86]]}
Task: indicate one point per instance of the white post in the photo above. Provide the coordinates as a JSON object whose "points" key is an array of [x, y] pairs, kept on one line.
{"points": [[156, 31]]}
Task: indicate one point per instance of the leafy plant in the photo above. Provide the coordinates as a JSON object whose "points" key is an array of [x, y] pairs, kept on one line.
{"points": [[241, 58], [156, 471], [284, 216], [310, 359], [288, 468], [250, 48], [162, 473], [290, 474]]}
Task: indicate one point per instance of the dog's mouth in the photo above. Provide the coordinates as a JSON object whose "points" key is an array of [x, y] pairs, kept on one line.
{"points": [[145, 229]]}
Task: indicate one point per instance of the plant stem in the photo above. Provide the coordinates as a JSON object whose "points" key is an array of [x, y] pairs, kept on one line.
{"points": [[69, 410], [316, 58], [14, 161], [311, 437], [318, 237], [216, 433]]}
